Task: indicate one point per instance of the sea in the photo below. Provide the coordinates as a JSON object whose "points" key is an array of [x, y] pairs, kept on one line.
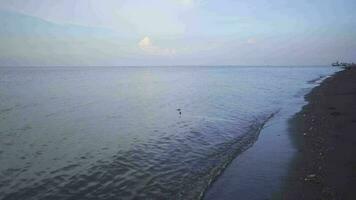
{"points": [[174, 132]]}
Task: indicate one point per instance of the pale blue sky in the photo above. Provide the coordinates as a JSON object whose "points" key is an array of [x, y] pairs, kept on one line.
{"points": [[177, 32]]}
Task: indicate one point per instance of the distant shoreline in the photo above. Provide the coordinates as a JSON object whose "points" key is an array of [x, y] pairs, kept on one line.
{"points": [[324, 134]]}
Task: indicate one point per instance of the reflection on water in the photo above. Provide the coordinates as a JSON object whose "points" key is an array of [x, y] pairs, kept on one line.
{"points": [[115, 133]]}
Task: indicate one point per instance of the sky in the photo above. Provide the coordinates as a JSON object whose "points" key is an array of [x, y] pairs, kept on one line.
{"points": [[176, 32]]}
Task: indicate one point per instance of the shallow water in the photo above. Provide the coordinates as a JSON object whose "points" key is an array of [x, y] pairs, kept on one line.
{"points": [[115, 132], [261, 172]]}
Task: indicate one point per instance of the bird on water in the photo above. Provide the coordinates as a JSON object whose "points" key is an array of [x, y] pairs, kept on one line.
{"points": [[180, 111]]}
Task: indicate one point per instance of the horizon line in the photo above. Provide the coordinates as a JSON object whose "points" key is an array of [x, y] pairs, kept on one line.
{"points": [[196, 65]]}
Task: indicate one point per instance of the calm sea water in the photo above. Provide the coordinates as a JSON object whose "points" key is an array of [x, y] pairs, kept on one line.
{"points": [[115, 132]]}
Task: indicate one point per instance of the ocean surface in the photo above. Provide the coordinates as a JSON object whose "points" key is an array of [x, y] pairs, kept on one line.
{"points": [[115, 132]]}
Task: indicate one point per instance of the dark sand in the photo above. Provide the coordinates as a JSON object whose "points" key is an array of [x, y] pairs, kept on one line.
{"points": [[325, 135]]}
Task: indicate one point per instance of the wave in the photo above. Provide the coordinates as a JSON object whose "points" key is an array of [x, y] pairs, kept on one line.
{"points": [[182, 166], [238, 146]]}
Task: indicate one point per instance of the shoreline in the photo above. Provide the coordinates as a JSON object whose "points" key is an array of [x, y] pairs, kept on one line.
{"points": [[275, 150], [323, 133]]}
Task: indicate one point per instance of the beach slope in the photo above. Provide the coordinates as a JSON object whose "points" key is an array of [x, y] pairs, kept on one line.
{"points": [[325, 135]]}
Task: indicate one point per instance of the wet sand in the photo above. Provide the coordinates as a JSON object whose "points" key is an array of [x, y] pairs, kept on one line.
{"points": [[325, 135]]}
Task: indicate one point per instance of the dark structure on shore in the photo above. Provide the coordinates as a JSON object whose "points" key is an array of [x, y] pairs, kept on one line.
{"points": [[343, 64]]}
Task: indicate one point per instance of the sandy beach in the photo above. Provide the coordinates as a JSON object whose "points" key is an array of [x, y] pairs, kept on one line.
{"points": [[324, 133]]}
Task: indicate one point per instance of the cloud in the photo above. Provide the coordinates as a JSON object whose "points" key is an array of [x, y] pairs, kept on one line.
{"points": [[145, 42], [148, 47], [251, 41]]}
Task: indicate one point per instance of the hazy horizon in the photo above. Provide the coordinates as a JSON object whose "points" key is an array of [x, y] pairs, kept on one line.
{"points": [[176, 33], [187, 65]]}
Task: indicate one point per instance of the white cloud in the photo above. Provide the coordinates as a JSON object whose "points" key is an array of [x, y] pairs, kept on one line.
{"points": [[148, 47], [145, 42], [251, 41]]}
